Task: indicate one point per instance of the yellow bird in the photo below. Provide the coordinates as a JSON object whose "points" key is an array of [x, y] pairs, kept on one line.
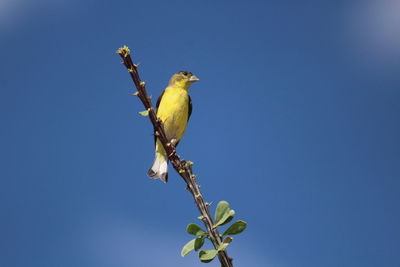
{"points": [[174, 108]]}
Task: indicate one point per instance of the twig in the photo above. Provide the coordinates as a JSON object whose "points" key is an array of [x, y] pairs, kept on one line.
{"points": [[184, 168]]}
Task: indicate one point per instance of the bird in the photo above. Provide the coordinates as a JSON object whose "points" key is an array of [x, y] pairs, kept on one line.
{"points": [[174, 107]]}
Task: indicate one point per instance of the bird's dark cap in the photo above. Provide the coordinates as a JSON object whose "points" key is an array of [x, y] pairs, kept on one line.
{"points": [[185, 72]]}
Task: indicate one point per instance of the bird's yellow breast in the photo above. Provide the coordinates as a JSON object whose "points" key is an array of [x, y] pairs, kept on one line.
{"points": [[174, 112]]}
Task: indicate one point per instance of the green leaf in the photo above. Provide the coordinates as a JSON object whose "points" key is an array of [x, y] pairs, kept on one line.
{"points": [[228, 239], [194, 229], [144, 113], [227, 218], [221, 210], [207, 255], [224, 244], [189, 246], [236, 228], [198, 243]]}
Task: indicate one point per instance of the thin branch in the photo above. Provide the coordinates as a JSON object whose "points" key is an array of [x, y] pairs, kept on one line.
{"points": [[183, 168]]}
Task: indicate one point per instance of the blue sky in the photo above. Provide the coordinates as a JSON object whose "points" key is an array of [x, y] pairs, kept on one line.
{"points": [[295, 122]]}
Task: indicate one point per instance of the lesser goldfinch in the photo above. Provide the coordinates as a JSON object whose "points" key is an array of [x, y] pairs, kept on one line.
{"points": [[174, 108]]}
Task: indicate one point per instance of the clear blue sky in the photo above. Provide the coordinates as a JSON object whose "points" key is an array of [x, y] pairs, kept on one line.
{"points": [[295, 122]]}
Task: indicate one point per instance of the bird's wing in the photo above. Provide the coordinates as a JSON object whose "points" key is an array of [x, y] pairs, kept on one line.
{"points": [[190, 107], [190, 113]]}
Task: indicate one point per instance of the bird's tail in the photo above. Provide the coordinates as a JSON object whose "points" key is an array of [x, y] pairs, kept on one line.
{"points": [[159, 170]]}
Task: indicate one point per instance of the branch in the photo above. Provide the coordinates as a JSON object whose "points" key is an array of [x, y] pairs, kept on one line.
{"points": [[183, 168]]}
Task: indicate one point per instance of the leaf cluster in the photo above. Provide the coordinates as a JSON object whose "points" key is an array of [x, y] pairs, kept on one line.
{"points": [[223, 215]]}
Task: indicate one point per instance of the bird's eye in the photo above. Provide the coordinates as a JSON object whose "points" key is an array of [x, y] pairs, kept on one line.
{"points": [[185, 73]]}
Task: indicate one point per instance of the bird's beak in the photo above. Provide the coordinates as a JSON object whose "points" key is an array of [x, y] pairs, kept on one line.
{"points": [[193, 79]]}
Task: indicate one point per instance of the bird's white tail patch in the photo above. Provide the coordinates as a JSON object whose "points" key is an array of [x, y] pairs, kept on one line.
{"points": [[159, 170]]}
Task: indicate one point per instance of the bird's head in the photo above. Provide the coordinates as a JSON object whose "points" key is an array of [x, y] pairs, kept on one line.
{"points": [[183, 79]]}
